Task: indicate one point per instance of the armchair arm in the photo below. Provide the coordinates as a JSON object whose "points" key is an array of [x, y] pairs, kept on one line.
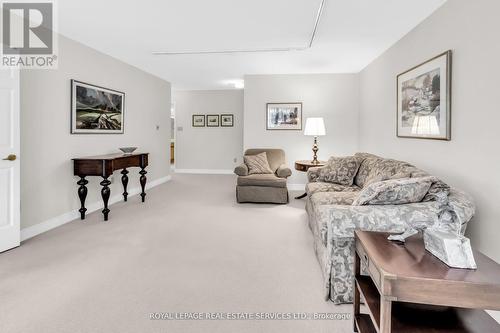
{"points": [[241, 170], [313, 174], [283, 171]]}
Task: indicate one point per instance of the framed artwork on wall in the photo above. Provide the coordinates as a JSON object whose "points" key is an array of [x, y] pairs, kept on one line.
{"points": [[284, 116], [96, 110], [227, 120], [198, 120], [212, 120], [424, 100]]}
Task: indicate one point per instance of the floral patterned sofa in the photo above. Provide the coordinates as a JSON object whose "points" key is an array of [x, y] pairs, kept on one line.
{"points": [[333, 217]]}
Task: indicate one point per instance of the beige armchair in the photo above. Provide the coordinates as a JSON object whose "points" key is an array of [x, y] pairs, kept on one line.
{"points": [[264, 188]]}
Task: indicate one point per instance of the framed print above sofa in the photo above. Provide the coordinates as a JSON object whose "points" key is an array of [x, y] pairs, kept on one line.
{"points": [[424, 100], [284, 116], [96, 110]]}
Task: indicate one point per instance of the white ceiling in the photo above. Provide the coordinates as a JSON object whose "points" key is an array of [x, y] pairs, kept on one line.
{"points": [[350, 35]]}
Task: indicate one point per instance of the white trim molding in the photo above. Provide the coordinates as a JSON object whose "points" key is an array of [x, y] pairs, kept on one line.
{"points": [[57, 221], [206, 171]]}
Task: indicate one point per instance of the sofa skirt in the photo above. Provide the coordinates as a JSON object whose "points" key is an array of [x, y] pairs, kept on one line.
{"points": [[262, 194]]}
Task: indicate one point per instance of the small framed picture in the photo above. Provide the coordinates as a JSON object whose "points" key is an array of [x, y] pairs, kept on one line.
{"points": [[227, 120], [212, 120], [424, 100], [198, 120], [284, 116]]}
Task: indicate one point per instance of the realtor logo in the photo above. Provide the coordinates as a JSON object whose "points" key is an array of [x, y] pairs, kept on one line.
{"points": [[28, 38]]}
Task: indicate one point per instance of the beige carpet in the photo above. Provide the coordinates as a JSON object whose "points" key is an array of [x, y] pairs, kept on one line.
{"points": [[189, 248]]}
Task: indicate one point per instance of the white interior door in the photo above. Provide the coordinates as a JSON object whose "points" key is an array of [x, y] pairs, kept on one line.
{"points": [[10, 231]]}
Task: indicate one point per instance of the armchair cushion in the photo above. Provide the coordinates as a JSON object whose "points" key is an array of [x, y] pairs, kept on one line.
{"points": [[257, 164], [394, 191], [340, 170], [241, 170], [265, 180], [283, 171]]}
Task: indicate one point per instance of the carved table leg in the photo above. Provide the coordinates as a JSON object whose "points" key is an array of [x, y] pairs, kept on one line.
{"points": [[125, 182], [143, 183], [82, 194], [105, 192]]}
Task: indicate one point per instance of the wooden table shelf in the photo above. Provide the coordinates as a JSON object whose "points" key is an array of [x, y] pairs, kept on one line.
{"points": [[424, 305]]}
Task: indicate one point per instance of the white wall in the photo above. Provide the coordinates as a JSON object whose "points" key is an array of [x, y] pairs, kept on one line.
{"points": [[208, 148], [48, 187], [334, 97], [471, 160]]}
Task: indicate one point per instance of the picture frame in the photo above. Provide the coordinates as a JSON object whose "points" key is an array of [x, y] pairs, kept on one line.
{"points": [[96, 110], [424, 100], [226, 120], [284, 116], [213, 120], [198, 120]]}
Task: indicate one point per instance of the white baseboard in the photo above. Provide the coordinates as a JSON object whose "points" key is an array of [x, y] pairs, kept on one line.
{"points": [[296, 187], [206, 171], [57, 221]]}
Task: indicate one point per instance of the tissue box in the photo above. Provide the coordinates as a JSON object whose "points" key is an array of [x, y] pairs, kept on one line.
{"points": [[454, 250]]}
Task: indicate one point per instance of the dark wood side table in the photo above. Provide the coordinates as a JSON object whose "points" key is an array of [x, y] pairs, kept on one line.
{"points": [[409, 290], [304, 166], [103, 166]]}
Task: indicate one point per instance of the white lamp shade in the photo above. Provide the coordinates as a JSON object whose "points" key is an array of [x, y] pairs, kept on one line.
{"points": [[315, 127], [425, 125]]}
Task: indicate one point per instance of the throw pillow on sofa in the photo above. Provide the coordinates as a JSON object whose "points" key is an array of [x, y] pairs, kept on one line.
{"points": [[257, 164], [395, 191], [340, 170]]}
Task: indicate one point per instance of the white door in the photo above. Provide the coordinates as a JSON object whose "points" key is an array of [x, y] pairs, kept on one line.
{"points": [[10, 231]]}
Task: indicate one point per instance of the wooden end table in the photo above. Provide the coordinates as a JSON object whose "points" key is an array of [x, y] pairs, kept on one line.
{"points": [[304, 166], [409, 290]]}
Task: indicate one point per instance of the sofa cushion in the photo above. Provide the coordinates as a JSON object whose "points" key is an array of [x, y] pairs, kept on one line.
{"points": [[334, 198], [340, 170], [394, 191], [379, 177], [374, 166], [257, 164], [315, 187], [321, 205], [267, 180]]}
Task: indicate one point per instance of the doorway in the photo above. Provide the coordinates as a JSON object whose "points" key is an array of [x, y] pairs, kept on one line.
{"points": [[10, 169], [172, 136]]}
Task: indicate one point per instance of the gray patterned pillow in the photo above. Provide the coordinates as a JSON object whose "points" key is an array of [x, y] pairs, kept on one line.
{"points": [[340, 170], [257, 164], [395, 191]]}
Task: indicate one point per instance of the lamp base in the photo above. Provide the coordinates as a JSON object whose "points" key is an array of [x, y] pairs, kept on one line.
{"points": [[315, 151]]}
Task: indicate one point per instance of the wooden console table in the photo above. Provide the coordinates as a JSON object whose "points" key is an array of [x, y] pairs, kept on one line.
{"points": [[104, 166], [409, 290]]}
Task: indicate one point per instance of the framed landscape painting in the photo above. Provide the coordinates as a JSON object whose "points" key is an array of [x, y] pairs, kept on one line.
{"points": [[96, 110], [424, 100], [212, 120], [198, 120], [227, 120], [284, 116]]}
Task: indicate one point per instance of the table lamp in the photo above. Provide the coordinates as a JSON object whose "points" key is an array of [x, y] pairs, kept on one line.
{"points": [[315, 127]]}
